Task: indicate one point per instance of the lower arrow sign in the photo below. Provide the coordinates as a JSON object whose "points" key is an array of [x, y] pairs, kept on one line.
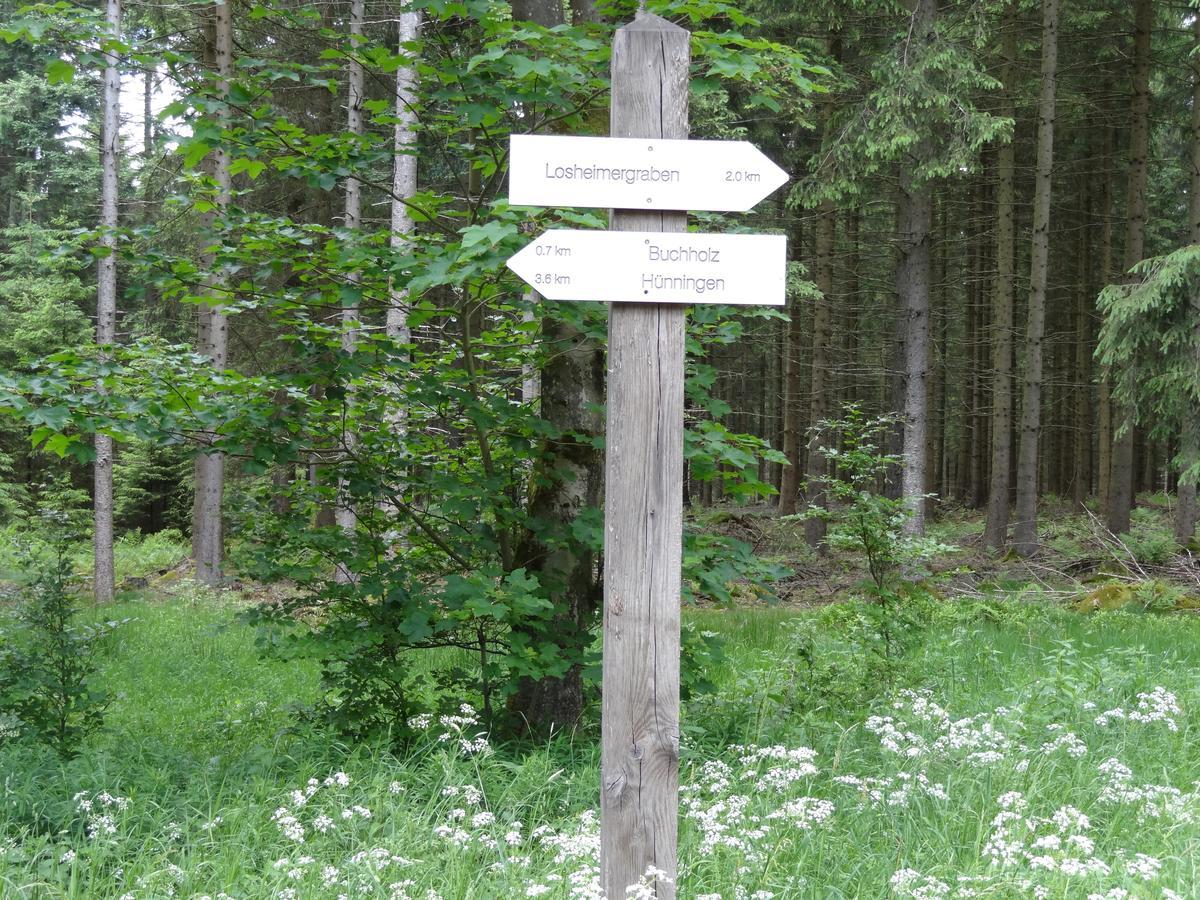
{"points": [[648, 267]]}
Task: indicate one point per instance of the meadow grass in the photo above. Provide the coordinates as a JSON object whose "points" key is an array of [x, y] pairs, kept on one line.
{"points": [[989, 763]]}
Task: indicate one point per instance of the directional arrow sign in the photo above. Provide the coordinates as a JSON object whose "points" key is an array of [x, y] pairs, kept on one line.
{"points": [[649, 267], [626, 173]]}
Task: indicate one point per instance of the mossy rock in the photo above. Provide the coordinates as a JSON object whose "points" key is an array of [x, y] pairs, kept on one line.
{"points": [[1110, 596], [1152, 595]]}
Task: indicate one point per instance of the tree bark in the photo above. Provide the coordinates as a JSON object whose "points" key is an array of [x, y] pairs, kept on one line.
{"points": [[1189, 452], [935, 438], [103, 573], [1121, 479], [546, 13], [819, 388], [1025, 531], [914, 222], [568, 479], [1081, 483], [583, 12], [1104, 440], [213, 326], [850, 305], [995, 533], [404, 177], [148, 115], [789, 482], [344, 513]]}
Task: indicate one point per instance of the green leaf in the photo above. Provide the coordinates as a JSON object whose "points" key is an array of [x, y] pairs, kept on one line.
{"points": [[252, 167], [492, 233], [59, 71], [194, 151]]}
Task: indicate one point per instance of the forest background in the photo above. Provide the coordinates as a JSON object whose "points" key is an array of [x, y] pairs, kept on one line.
{"points": [[273, 314]]}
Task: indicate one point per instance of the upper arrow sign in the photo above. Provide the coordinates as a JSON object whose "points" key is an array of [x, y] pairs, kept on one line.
{"points": [[627, 173], [653, 267]]}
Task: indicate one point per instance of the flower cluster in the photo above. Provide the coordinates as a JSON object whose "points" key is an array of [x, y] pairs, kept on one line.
{"points": [[1159, 705], [463, 729], [1153, 801], [893, 790], [287, 818], [921, 728], [100, 811]]}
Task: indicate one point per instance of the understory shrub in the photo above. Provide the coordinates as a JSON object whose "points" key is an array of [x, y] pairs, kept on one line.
{"points": [[47, 666]]}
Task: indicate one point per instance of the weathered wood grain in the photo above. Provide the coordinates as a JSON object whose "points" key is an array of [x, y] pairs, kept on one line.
{"points": [[643, 510]]}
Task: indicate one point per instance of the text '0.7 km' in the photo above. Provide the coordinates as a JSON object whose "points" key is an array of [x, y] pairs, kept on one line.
{"points": [[640, 267]]}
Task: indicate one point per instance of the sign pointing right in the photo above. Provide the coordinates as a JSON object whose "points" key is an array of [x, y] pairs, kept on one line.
{"points": [[627, 173]]}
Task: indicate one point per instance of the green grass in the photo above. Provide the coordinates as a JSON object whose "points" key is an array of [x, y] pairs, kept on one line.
{"points": [[202, 745], [135, 555]]}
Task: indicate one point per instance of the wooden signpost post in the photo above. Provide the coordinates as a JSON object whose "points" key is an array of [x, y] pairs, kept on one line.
{"points": [[648, 268]]}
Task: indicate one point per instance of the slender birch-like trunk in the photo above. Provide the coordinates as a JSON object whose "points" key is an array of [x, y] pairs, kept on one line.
{"points": [[404, 171], [404, 187], [344, 513], [213, 326], [820, 387], [103, 574], [1025, 530]]}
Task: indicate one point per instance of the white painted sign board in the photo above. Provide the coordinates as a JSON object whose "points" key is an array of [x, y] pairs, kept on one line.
{"points": [[627, 173], [652, 267]]}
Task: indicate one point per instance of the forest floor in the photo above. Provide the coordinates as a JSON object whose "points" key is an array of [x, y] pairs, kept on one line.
{"points": [[1012, 744], [1077, 556]]}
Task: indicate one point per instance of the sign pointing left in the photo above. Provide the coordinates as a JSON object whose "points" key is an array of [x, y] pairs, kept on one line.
{"points": [[652, 267]]}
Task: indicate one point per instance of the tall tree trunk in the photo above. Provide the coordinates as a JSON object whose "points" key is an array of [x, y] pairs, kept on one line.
{"points": [[935, 438], [213, 326], [404, 171], [995, 533], [1025, 530], [344, 513], [851, 302], [583, 12], [148, 114], [789, 482], [914, 222], [404, 187], [1081, 484], [969, 373], [1104, 428], [822, 332], [103, 572], [546, 13], [1121, 479], [773, 389], [567, 480], [1189, 451], [912, 285], [817, 471]]}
